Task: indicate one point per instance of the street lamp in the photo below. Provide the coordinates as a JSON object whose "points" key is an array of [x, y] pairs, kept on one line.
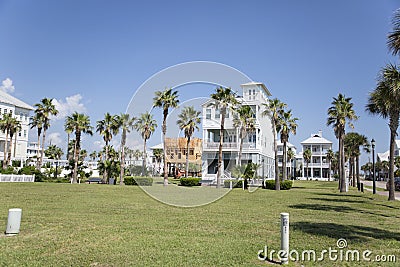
{"points": [[373, 166]]}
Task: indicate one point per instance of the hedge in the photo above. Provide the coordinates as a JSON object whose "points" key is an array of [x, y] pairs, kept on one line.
{"points": [[284, 185], [142, 181], [190, 181], [235, 183]]}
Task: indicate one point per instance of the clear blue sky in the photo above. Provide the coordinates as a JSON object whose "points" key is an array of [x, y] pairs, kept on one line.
{"points": [[306, 52]]}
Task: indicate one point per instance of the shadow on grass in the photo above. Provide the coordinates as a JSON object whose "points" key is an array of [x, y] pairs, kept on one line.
{"points": [[338, 200], [343, 209], [341, 195], [349, 232]]}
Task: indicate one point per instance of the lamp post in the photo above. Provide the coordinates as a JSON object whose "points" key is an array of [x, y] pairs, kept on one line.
{"points": [[373, 166], [56, 173]]}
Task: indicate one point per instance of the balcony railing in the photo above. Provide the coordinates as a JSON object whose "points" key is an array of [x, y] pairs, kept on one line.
{"points": [[229, 145]]}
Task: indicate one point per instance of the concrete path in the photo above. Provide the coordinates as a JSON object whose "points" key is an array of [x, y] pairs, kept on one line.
{"points": [[380, 184]]}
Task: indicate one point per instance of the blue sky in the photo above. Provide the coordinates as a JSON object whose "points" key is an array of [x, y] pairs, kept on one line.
{"points": [[97, 53]]}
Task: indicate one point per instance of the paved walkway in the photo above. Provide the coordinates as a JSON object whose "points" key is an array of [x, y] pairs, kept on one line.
{"points": [[380, 184]]}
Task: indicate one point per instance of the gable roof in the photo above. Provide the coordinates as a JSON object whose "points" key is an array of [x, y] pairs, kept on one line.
{"points": [[11, 100], [316, 139]]}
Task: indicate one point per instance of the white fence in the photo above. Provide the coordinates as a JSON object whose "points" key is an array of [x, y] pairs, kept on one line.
{"points": [[16, 178]]}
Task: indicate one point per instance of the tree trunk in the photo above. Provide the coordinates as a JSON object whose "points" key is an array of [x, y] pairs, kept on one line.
{"points": [[123, 140], [76, 156], [9, 150], [144, 158], [393, 133], [105, 173], [241, 137], [358, 170], [187, 157], [342, 172], [164, 131], [329, 174], [67, 155], [37, 153], [43, 143], [5, 150], [277, 181], [15, 146], [221, 136], [284, 171]]}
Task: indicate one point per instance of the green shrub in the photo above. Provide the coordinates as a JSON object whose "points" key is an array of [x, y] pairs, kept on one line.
{"points": [[284, 185], [142, 181], [235, 183], [270, 184], [190, 181], [31, 170]]}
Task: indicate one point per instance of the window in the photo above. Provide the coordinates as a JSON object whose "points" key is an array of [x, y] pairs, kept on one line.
{"points": [[227, 114], [217, 113], [5, 111], [179, 155], [24, 133], [191, 152], [208, 114], [20, 134]]}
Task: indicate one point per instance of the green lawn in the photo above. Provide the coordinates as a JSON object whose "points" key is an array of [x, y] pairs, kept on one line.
{"points": [[102, 225]]}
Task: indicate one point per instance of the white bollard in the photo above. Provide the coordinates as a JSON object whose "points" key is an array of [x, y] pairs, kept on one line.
{"points": [[285, 238], [14, 221], [230, 184]]}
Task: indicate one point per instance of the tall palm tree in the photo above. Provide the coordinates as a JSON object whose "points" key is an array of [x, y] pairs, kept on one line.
{"points": [[81, 124], [93, 155], [37, 122], [188, 121], [223, 99], [158, 155], [244, 121], [290, 157], [329, 156], [107, 127], [355, 141], [68, 131], [307, 159], [125, 123], [45, 109], [15, 127], [146, 126], [394, 36], [273, 109], [5, 125], [340, 112], [384, 101], [165, 100], [286, 125]]}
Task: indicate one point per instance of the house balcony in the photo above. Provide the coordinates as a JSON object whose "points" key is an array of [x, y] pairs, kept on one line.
{"points": [[317, 165], [235, 145]]}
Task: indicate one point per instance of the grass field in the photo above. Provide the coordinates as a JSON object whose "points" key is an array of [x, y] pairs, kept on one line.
{"points": [[102, 225]]}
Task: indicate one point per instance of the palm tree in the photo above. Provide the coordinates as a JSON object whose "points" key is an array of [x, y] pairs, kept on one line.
{"points": [[158, 155], [146, 126], [329, 156], [340, 112], [5, 125], [307, 159], [45, 109], [188, 121], [107, 128], [15, 127], [273, 109], [384, 101], [286, 125], [53, 152], [244, 120], [37, 122], [81, 124], [223, 100], [93, 155], [125, 122], [355, 141], [165, 100], [290, 157], [394, 36]]}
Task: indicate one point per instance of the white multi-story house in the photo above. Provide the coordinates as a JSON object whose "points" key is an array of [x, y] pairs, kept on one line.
{"points": [[290, 165], [257, 147], [319, 165], [20, 110]]}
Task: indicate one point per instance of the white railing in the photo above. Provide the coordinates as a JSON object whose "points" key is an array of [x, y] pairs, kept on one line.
{"points": [[16, 178]]}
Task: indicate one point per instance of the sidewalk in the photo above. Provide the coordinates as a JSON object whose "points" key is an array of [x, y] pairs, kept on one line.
{"points": [[380, 184]]}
